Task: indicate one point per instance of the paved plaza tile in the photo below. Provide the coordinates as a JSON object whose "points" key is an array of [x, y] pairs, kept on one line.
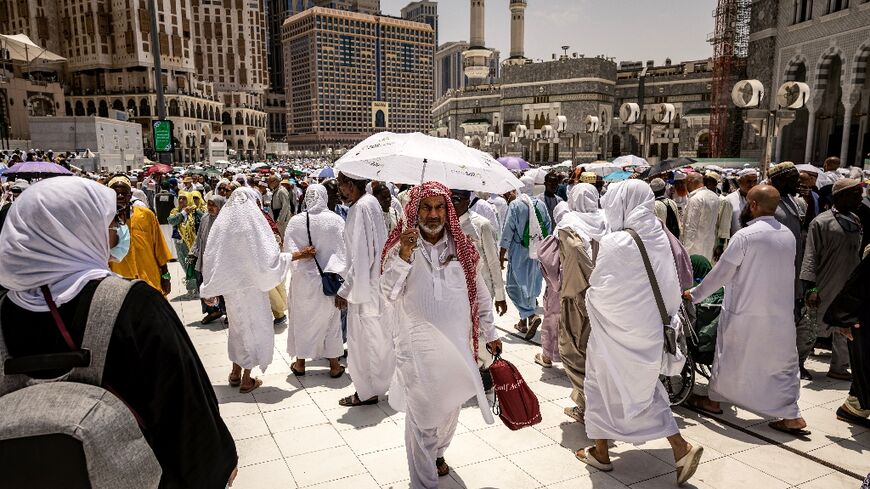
{"points": [[292, 433]]}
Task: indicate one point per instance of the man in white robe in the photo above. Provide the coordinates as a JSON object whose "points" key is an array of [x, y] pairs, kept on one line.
{"points": [[370, 349], [756, 363], [315, 323], [442, 307], [483, 208], [242, 262], [700, 218], [624, 399], [746, 179]]}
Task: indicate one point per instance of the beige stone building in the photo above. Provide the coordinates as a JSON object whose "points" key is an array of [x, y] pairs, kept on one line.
{"points": [[212, 58]]}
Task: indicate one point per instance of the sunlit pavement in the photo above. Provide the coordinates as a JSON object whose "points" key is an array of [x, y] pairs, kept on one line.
{"points": [[292, 433]]}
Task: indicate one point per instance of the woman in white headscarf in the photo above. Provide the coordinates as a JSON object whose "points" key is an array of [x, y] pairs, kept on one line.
{"points": [[625, 400], [585, 218], [56, 251], [315, 325], [242, 262]]}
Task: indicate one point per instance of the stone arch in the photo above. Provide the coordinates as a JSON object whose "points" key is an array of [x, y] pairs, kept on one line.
{"points": [[80, 108], [797, 69], [67, 106], [118, 104], [131, 106], [103, 109], [240, 120], [210, 113], [144, 108], [199, 111], [702, 144], [226, 119], [91, 108], [698, 136], [240, 144], [825, 64], [174, 111], [861, 64]]}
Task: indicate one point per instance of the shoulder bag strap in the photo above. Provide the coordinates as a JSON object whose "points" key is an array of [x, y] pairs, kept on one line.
{"points": [[103, 313], [652, 277], [310, 243]]}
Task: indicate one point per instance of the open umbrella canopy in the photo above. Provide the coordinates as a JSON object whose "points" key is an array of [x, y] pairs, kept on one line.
{"points": [[416, 158], [158, 168], [630, 160], [602, 168], [325, 173], [37, 167], [19, 47], [669, 165], [618, 176], [514, 163]]}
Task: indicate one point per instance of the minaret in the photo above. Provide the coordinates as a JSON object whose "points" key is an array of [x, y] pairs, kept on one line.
{"points": [[518, 33], [477, 55]]}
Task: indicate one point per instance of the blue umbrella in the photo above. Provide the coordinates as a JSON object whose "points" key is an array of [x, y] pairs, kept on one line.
{"points": [[326, 173], [618, 176]]}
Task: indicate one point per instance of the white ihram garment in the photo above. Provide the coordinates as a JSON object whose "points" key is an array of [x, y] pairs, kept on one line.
{"points": [[371, 356], [624, 399], [242, 262], [700, 220], [315, 322], [737, 202], [756, 364], [435, 370]]}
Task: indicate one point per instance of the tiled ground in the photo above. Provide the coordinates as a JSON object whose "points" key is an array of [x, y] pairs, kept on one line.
{"points": [[292, 433]]}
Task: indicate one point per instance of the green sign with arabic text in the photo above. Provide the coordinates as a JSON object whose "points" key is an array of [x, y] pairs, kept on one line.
{"points": [[162, 136]]}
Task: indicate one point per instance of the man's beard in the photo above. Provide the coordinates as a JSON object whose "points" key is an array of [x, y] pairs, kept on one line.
{"points": [[431, 231], [745, 216]]}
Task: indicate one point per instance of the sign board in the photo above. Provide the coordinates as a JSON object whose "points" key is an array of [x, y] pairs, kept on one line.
{"points": [[162, 136]]}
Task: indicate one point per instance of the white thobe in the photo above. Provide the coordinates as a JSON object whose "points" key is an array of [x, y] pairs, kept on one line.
{"points": [[315, 323], [487, 210], [723, 221], [699, 223], [370, 350], [624, 399], [435, 369], [501, 210], [756, 363], [737, 200], [483, 235]]}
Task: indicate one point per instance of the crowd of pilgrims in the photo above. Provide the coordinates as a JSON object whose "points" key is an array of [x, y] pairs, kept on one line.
{"points": [[424, 270]]}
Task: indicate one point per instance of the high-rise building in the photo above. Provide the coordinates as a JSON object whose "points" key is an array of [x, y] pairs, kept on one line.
{"points": [[372, 7], [277, 11], [425, 11], [349, 75], [230, 52], [212, 56], [450, 70]]}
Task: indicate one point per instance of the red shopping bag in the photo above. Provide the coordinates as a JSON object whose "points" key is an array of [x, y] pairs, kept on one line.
{"points": [[516, 404]]}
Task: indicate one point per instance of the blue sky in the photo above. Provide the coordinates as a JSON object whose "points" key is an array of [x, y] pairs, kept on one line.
{"points": [[635, 30]]}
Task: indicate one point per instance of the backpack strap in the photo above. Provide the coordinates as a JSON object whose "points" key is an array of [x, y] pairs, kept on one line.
{"points": [[103, 313], [8, 383], [652, 277]]}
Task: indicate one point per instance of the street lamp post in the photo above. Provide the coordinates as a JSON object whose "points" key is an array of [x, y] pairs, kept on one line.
{"points": [[749, 95]]}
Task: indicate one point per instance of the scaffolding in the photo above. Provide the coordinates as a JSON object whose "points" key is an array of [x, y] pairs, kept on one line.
{"points": [[730, 42]]}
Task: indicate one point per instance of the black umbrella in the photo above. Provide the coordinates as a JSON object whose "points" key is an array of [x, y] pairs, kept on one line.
{"points": [[667, 165]]}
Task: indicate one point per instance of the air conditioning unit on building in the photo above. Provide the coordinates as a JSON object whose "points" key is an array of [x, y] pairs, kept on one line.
{"points": [[629, 112], [664, 113], [591, 124], [747, 94], [792, 95]]}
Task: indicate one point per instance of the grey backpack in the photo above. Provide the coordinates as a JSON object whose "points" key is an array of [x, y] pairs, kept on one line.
{"points": [[70, 432]]}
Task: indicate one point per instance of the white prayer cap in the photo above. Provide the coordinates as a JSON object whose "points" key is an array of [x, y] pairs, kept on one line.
{"points": [[806, 168], [713, 175], [843, 171], [678, 175], [657, 184]]}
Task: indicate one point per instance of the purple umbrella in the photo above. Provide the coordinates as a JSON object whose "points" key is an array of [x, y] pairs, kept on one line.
{"points": [[513, 163], [43, 167]]}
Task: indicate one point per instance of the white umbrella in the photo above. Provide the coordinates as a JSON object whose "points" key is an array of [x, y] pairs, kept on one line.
{"points": [[416, 158], [19, 47], [602, 168], [630, 160]]}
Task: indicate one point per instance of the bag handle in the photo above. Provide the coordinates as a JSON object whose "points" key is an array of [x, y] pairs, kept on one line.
{"points": [[310, 243], [657, 293]]}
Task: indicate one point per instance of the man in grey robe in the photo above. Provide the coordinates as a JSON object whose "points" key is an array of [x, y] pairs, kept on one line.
{"points": [[833, 252]]}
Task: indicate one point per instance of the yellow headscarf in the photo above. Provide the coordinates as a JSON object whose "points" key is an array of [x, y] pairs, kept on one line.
{"points": [[196, 194], [186, 229]]}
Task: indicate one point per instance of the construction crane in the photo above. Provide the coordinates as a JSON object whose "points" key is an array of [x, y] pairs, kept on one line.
{"points": [[730, 41]]}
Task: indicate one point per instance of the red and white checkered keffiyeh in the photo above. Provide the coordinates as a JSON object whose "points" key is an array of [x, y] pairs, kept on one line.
{"points": [[466, 253]]}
